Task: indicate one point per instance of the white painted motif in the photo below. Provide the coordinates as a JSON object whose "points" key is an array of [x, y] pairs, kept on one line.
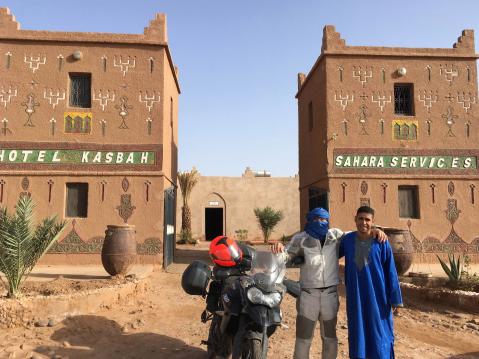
{"points": [[344, 99], [449, 73], [35, 62], [466, 99], [428, 99], [54, 97], [124, 65], [381, 99], [6, 95], [103, 98], [363, 74], [149, 100]]}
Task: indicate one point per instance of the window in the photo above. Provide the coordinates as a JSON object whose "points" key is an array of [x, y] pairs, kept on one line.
{"points": [[77, 200], [408, 197], [318, 197], [403, 99], [80, 90], [310, 116]]}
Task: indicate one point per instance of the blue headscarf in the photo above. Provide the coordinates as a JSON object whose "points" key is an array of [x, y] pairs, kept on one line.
{"points": [[317, 229]]}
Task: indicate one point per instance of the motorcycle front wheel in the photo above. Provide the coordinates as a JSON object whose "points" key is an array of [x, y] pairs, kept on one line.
{"points": [[219, 346]]}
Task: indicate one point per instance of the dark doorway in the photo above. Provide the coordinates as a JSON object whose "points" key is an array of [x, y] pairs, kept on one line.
{"points": [[169, 232], [213, 223]]}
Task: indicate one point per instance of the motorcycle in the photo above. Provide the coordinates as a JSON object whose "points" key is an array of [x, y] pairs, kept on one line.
{"points": [[243, 304]]}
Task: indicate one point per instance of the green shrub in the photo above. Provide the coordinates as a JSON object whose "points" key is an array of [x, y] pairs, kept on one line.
{"points": [[453, 271], [268, 218]]}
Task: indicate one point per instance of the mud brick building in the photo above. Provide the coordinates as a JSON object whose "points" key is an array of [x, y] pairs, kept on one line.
{"points": [[225, 205], [397, 129], [88, 129]]}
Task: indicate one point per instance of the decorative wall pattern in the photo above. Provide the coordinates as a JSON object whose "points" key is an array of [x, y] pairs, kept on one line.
{"points": [[34, 62], [123, 107], [103, 97], [344, 99], [362, 117], [405, 130], [125, 209], [30, 106], [148, 99], [449, 72], [467, 99], [428, 98], [78, 122], [54, 97], [450, 121], [6, 95], [124, 65], [363, 73], [381, 98]]}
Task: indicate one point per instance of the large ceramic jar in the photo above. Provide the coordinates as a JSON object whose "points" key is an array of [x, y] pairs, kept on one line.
{"points": [[119, 249], [401, 244]]}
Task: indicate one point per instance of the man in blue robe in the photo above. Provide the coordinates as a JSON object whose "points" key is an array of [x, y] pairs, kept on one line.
{"points": [[372, 290]]}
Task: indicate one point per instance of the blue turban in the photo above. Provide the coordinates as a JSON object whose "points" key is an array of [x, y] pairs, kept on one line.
{"points": [[317, 229]]}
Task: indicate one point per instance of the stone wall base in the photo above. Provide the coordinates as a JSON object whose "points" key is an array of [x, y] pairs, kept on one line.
{"points": [[27, 310]]}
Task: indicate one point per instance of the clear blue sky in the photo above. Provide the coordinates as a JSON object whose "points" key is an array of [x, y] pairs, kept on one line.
{"points": [[239, 60]]}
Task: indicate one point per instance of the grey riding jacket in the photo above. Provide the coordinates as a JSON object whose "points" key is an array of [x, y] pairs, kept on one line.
{"points": [[320, 268]]}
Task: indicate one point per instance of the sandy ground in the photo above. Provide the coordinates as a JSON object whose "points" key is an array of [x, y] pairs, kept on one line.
{"points": [[167, 325]]}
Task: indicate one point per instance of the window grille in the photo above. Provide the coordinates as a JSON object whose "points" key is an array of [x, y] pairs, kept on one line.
{"points": [[80, 90], [403, 99], [408, 198], [318, 197], [77, 200]]}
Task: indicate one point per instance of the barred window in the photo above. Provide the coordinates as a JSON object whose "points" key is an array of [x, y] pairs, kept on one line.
{"points": [[80, 90], [408, 197], [77, 200], [403, 99], [318, 197]]}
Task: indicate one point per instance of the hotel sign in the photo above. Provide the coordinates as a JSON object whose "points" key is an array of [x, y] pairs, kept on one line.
{"points": [[407, 162], [77, 157]]}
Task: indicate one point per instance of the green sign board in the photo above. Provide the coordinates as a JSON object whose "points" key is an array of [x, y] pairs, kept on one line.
{"points": [[405, 162], [77, 157]]}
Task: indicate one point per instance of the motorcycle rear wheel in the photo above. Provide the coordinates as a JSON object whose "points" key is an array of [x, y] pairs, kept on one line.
{"points": [[253, 349]]}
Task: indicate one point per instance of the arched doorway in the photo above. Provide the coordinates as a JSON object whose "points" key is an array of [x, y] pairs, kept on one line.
{"points": [[215, 209]]}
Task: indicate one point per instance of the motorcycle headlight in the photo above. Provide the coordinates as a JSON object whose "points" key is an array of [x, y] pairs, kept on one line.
{"points": [[256, 296]]}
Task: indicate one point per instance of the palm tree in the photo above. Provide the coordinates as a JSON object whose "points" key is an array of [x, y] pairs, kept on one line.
{"points": [[187, 181], [268, 218], [22, 244]]}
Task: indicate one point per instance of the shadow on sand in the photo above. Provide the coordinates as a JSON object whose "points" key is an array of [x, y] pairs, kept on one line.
{"points": [[91, 336], [474, 355], [69, 276]]}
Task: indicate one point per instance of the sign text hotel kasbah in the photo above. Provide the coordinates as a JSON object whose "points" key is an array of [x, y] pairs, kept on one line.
{"points": [[408, 162], [77, 157]]}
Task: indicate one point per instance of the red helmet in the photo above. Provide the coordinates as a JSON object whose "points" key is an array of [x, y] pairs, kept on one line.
{"points": [[225, 252]]}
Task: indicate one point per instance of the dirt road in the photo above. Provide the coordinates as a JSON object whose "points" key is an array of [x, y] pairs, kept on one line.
{"points": [[167, 325]]}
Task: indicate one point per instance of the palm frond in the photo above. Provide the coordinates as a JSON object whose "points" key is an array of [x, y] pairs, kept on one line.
{"points": [[22, 244], [187, 181]]}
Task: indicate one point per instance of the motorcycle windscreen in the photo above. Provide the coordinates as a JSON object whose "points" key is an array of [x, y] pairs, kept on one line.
{"points": [[267, 269]]}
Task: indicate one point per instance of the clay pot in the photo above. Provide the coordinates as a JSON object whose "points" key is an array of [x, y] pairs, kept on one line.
{"points": [[401, 244], [119, 249]]}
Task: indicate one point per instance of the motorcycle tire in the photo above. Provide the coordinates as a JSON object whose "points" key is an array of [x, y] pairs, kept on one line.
{"points": [[219, 346], [253, 349]]}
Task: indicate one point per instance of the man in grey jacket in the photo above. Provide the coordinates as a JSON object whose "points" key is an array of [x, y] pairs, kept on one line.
{"points": [[319, 277]]}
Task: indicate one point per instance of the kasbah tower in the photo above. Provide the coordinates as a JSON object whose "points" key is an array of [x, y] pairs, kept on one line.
{"points": [[396, 129], [88, 129]]}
